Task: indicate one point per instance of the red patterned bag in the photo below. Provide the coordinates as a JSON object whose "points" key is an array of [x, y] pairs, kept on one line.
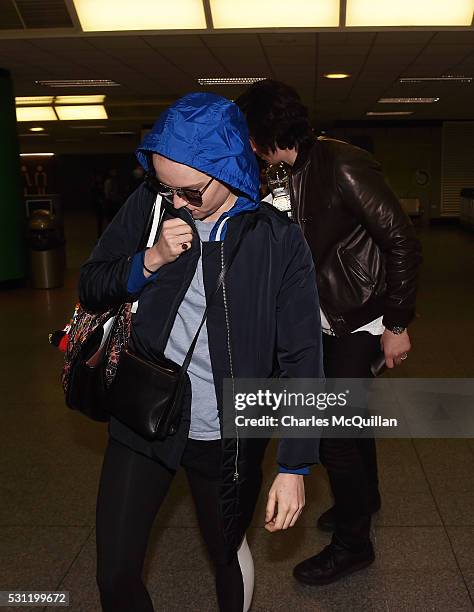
{"points": [[94, 344]]}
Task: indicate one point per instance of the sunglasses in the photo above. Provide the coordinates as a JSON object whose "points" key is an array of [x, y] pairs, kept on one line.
{"points": [[192, 196]]}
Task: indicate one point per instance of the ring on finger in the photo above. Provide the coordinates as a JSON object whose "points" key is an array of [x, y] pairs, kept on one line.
{"points": [[404, 356]]}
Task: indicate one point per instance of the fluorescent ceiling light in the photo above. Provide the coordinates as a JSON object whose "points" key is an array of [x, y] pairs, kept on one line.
{"points": [[33, 135], [274, 13], [37, 129], [36, 154], [409, 13], [408, 100], [74, 113], [35, 113], [78, 83], [447, 78], [33, 101], [79, 99], [336, 75], [388, 113], [231, 81], [123, 15]]}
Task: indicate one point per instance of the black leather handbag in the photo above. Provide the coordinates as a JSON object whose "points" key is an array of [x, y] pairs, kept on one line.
{"points": [[147, 396]]}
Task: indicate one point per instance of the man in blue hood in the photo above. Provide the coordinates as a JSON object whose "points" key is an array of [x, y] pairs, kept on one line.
{"points": [[203, 177]]}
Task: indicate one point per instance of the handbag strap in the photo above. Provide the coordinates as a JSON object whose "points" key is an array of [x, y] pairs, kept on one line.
{"points": [[220, 281], [146, 239]]}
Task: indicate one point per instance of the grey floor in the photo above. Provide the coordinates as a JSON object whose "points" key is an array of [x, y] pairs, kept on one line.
{"points": [[51, 461]]}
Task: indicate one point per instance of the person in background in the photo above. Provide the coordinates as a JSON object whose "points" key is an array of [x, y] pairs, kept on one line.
{"points": [[367, 258], [112, 195], [265, 316]]}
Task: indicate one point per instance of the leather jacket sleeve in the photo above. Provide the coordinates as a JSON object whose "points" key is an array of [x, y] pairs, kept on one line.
{"points": [[104, 276], [364, 191]]}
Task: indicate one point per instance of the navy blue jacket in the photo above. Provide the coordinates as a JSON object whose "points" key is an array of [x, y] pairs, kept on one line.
{"points": [[272, 323]]}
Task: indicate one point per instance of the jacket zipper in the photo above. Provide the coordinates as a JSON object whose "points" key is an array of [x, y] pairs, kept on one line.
{"points": [[226, 309]]}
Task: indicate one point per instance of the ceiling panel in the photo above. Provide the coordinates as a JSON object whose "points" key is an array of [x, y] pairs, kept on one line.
{"points": [[166, 66], [243, 62], [164, 41], [112, 43], [203, 63], [288, 40], [231, 40], [363, 39]]}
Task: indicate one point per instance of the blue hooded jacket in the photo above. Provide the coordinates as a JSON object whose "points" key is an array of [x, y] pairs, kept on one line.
{"points": [[208, 133]]}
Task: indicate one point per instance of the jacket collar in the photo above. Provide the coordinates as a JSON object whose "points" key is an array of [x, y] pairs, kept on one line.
{"points": [[302, 156], [219, 229]]}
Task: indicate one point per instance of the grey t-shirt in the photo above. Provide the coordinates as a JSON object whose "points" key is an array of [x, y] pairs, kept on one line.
{"points": [[204, 416]]}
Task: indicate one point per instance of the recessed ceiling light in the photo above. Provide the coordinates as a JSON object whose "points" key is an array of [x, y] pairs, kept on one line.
{"points": [[408, 100], [447, 78], [336, 75], [97, 99], [114, 15], [409, 13], [274, 13], [79, 83], [36, 154], [388, 113], [230, 80], [76, 113], [35, 113], [37, 129], [33, 100]]}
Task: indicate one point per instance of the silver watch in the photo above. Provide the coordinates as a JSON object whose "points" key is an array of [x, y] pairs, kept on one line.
{"points": [[397, 330]]}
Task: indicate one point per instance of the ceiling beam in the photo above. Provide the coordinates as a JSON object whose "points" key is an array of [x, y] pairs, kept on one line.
{"points": [[342, 13], [208, 14]]}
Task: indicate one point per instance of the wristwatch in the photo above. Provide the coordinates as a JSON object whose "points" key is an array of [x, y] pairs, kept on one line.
{"points": [[397, 329]]}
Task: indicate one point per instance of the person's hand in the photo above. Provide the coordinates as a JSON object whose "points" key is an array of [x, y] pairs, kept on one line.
{"points": [[285, 502], [175, 238], [395, 347]]}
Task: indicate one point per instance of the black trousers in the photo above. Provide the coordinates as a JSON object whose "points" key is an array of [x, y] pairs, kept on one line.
{"points": [[131, 490], [351, 463]]}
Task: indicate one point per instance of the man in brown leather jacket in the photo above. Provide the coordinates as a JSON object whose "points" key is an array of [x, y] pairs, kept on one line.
{"points": [[367, 258]]}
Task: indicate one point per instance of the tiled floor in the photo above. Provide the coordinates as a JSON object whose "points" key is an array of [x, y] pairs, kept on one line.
{"points": [[51, 460]]}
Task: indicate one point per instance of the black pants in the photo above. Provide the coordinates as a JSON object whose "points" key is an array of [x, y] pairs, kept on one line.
{"points": [[351, 463], [131, 490]]}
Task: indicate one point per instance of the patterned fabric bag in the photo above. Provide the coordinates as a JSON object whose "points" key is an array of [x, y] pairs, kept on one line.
{"points": [[92, 344]]}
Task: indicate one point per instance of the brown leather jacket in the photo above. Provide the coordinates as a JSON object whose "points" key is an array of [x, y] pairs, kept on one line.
{"points": [[364, 246]]}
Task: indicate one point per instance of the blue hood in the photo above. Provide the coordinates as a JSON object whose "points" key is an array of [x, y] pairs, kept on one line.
{"points": [[208, 133]]}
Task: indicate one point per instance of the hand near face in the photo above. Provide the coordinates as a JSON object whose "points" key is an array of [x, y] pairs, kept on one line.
{"points": [[175, 238]]}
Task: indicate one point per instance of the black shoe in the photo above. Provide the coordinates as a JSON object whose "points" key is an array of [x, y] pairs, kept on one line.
{"points": [[332, 563], [327, 520]]}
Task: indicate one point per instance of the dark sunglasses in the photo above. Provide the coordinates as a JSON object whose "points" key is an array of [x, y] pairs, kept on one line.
{"points": [[192, 196]]}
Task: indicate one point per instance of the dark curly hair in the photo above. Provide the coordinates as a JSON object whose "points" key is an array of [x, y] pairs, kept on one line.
{"points": [[275, 115]]}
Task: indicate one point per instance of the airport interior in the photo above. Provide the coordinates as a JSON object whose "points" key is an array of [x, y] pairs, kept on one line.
{"points": [[81, 83]]}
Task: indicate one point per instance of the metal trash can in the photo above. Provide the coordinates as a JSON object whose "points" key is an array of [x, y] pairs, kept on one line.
{"points": [[46, 251], [466, 208]]}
